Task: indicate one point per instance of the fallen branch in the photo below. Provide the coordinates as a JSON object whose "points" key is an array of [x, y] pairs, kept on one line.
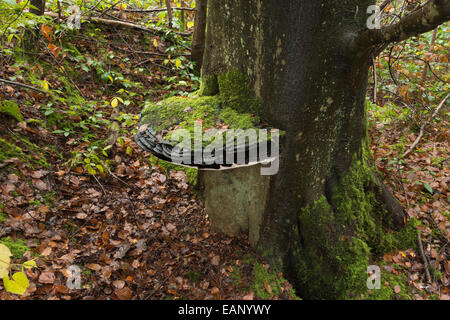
{"points": [[422, 128], [155, 10], [119, 23], [424, 258], [22, 85]]}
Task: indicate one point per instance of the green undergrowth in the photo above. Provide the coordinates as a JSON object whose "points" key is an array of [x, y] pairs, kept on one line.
{"points": [[18, 247], [341, 236]]}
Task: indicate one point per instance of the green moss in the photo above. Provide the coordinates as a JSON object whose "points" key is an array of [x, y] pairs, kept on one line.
{"points": [[209, 86], [194, 276], [9, 150], [341, 235], [236, 120], [236, 94], [185, 112], [30, 152], [18, 247], [180, 111], [12, 109], [3, 215], [386, 292], [260, 279]]}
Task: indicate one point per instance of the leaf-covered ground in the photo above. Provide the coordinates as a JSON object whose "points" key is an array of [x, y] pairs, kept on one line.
{"points": [[75, 190]]}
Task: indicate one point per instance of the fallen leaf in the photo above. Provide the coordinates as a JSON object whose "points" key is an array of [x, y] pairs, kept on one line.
{"points": [[47, 277], [123, 294], [215, 260]]}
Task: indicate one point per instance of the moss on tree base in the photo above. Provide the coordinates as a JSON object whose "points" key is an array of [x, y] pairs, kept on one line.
{"points": [[340, 237]]}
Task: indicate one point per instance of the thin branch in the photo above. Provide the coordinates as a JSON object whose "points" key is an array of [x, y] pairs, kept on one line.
{"points": [[424, 19], [422, 128], [22, 85], [424, 258]]}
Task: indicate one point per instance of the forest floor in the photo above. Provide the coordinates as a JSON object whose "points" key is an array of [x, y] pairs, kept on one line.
{"points": [[135, 229]]}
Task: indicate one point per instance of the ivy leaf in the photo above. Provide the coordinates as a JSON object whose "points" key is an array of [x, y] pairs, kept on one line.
{"points": [[5, 259], [18, 284]]}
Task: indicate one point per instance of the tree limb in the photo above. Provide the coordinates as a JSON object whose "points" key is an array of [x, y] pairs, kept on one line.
{"points": [[156, 10], [120, 23], [424, 19]]}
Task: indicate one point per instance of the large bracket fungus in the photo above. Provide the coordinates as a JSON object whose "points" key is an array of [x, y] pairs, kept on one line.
{"points": [[234, 151]]}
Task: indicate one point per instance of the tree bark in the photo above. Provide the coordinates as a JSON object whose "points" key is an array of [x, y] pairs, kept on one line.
{"points": [[327, 211], [198, 39], [169, 12]]}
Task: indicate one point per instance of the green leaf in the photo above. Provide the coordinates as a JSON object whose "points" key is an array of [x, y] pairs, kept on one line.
{"points": [[29, 264], [11, 2], [18, 284], [5, 260], [129, 151], [428, 188]]}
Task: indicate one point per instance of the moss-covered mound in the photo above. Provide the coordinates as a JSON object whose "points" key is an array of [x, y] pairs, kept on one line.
{"points": [[209, 112], [342, 236]]}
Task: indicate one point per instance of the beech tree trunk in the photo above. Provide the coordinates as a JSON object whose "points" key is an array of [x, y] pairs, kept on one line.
{"points": [[198, 38], [328, 213]]}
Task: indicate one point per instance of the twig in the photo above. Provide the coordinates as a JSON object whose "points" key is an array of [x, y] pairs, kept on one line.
{"points": [[104, 192], [422, 128], [22, 85], [111, 173], [424, 258]]}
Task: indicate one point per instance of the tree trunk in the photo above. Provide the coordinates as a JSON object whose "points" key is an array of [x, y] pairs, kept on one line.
{"points": [[169, 13], [327, 211], [198, 39]]}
